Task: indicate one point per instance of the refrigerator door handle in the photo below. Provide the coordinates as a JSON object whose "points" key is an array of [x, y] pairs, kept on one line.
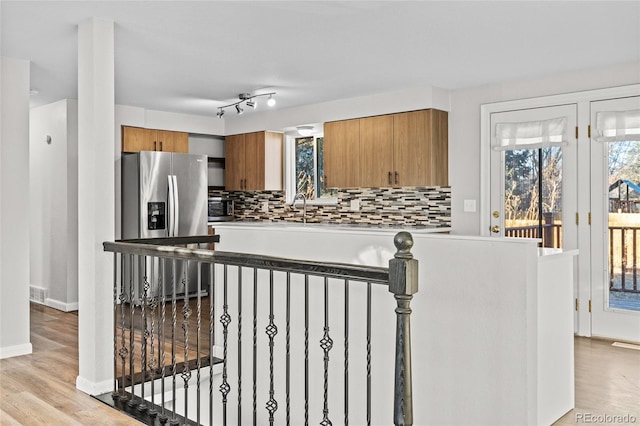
{"points": [[170, 209], [176, 206]]}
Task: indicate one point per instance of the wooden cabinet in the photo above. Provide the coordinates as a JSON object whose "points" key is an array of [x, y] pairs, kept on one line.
{"points": [[421, 148], [342, 153], [403, 149], [253, 161], [376, 151], [135, 139]]}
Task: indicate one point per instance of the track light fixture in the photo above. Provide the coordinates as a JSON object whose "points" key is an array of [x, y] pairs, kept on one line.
{"points": [[249, 101]]}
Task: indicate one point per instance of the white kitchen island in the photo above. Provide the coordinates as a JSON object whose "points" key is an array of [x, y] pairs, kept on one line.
{"points": [[492, 323]]}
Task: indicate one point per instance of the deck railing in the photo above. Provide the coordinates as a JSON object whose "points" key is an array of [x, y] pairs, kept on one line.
{"points": [[624, 259], [182, 357], [624, 251], [551, 234]]}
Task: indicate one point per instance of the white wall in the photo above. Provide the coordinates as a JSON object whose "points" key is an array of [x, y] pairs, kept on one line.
{"points": [[14, 208], [464, 127], [54, 203], [480, 332]]}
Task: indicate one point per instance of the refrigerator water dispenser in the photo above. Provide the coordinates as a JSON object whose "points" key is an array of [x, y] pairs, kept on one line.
{"points": [[156, 215]]}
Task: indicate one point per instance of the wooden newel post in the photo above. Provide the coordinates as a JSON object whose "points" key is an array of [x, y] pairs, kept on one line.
{"points": [[403, 283]]}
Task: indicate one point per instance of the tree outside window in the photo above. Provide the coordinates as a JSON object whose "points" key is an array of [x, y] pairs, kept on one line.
{"points": [[309, 171]]}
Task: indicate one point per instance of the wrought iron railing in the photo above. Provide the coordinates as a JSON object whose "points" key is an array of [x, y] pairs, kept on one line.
{"points": [[180, 357], [624, 259]]}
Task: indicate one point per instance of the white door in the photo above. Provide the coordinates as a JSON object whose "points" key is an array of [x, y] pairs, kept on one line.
{"points": [[615, 221], [519, 176]]}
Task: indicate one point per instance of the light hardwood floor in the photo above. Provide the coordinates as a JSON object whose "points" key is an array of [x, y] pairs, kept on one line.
{"points": [[607, 384], [39, 389]]}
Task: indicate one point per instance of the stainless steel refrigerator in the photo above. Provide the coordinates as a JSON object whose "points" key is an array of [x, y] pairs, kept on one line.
{"points": [[164, 194]]}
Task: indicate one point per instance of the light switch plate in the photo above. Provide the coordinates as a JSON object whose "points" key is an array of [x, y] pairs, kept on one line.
{"points": [[355, 205], [469, 206], [265, 207]]}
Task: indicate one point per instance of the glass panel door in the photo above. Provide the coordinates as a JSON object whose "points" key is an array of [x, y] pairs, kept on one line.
{"points": [[533, 191], [615, 209]]}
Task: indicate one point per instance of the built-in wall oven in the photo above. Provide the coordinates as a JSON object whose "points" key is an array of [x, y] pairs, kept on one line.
{"points": [[220, 209]]}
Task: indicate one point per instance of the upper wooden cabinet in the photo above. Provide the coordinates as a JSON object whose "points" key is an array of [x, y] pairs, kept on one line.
{"points": [[253, 161], [342, 153], [420, 148], [135, 139], [404, 149], [376, 151]]}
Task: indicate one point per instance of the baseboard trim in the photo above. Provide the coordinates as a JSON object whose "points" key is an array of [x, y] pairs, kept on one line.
{"points": [[93, 388], [61, 306], [17, 350]]}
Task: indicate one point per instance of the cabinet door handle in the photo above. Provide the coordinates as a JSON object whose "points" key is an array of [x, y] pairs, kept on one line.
{"points": [[160, 145], [155, 146], [389, 178], [396, 178]]}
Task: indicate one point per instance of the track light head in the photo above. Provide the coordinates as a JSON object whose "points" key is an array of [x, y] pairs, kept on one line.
{"points": [[220, 113], [238, 109], [271, 101], [251, 103]]}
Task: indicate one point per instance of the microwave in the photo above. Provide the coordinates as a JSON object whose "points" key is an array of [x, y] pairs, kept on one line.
{"points": [[220, 209]]}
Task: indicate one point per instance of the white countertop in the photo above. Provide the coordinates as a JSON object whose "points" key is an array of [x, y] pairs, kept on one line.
{"points": [[323, 227]]}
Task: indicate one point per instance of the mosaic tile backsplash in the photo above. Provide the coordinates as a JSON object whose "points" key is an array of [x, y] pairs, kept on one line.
{"points": [[406, 206]]}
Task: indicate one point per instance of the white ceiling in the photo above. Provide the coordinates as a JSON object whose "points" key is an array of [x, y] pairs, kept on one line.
{"points": [[192, 56]]}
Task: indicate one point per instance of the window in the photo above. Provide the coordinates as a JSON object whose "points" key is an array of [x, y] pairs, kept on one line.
{"points": [[306, 169]]}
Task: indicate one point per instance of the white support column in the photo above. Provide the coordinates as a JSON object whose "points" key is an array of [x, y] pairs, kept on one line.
{"points": [[14, 208], [96, 205]]}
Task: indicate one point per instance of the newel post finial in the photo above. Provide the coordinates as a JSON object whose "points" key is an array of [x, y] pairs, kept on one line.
{"points": [[403, 283]]}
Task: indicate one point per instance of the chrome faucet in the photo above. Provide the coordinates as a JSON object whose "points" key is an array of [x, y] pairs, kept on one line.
{"points": [[300, 195]]}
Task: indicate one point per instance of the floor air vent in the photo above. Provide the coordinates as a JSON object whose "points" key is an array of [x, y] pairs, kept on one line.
{"points": [[37, 294]]}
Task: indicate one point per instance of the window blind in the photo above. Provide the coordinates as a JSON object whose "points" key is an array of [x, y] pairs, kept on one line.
{"points": [[531, 134]]}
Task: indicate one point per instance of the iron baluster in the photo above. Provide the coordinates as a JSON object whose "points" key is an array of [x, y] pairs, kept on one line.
{"points": [[368, 354], [115, 393], [186, 314], [161, 343], [288, 351], [346, 352], [225, 319], [123, 348], [306, 350], [132, 309], [255, 345], [198, 325], [326, 343], [153, 363], [174, 320], [145, 332], [239, 345], [212, 290], [272, 330]]}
